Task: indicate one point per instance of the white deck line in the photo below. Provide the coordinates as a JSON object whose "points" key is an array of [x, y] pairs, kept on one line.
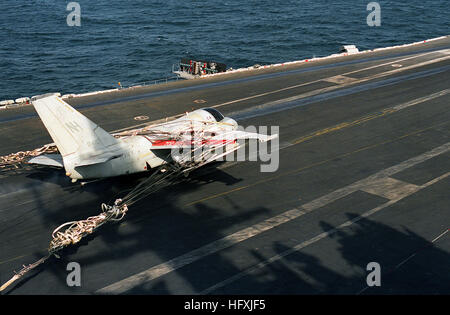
{"points": [[251, 68], [287, 63], [171, 265]]}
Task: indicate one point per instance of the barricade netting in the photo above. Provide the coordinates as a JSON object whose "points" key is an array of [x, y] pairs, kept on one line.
{"points": [[17, 160], [199, 152]]}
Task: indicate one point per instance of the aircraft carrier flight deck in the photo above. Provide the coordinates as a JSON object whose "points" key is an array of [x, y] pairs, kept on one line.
{"points": [[363, 176]]}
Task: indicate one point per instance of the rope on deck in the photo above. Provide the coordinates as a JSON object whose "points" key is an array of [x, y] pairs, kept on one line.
{"points": [[165, 175]]}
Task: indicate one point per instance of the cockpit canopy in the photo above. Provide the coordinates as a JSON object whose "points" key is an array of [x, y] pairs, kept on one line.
{"points": [[216, 114]]}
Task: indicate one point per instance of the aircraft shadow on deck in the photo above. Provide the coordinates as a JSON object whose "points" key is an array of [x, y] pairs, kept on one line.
{"points": [[160, 225]]}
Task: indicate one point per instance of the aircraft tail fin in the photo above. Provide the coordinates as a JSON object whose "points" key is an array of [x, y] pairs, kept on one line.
{"points": [[73, 133]]}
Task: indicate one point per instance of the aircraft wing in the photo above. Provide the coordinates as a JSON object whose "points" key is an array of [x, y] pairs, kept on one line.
{"points": [[242, 135], [170, 144], [221, 139], [178, 144]]}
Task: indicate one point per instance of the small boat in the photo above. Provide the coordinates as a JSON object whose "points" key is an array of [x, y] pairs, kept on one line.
{"points": [[191, 69]]}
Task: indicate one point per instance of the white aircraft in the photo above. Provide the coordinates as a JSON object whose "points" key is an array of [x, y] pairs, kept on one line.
{"points": [[89, 152]]}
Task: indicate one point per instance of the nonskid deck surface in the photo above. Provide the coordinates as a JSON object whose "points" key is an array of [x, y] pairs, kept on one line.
{"points": [[362, 177]]}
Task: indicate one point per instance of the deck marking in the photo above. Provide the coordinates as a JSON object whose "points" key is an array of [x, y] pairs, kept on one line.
{"points": [[316, 238], [286, 173], [382, 113], [319, 96], [298, 170], [319, 80], [390, 188], [283, 89], [249, 232], [339, 79], [339, 64], [410, 256]]}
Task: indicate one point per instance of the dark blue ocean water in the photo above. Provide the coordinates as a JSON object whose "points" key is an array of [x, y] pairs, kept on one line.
{"points": [[136, 41]]}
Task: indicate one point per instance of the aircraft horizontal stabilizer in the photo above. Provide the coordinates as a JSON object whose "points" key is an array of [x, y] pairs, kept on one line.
{"points": [[48, 160], [85, 160]]}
